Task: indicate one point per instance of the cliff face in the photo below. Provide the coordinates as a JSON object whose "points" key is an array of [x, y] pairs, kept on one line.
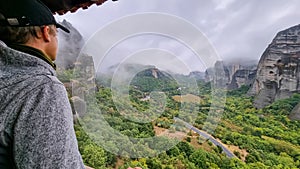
{"points": [[70, 45], [278, 72], [197, 75], [82, 82], [231, 76], [295, 114], [219, 74], [244, 76]]}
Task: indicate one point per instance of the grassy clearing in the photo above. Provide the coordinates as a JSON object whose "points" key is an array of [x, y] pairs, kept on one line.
{"points": [[189, 98]]}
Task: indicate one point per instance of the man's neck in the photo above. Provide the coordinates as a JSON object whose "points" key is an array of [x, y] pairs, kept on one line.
{"points": [[33, 51]]}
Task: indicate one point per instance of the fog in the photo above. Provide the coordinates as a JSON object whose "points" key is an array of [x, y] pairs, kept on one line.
{"points": [[237, 30]]}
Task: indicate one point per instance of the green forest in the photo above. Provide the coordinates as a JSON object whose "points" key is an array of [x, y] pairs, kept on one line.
{"points": [[259, 138]]}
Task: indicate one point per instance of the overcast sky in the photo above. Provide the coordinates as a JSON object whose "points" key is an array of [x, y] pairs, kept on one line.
{"points": [[236, 29]]}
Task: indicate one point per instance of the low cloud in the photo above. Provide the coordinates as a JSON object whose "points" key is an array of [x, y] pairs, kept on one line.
{"points": [[236, 28]]}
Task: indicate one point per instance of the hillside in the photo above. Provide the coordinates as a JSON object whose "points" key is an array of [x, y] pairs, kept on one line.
{"points": [[137, 128], [259, 138], [153, 79]]}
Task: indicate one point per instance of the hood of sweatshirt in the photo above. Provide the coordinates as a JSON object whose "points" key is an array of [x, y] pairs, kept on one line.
{"points": [[20, 74], [16, 66]]}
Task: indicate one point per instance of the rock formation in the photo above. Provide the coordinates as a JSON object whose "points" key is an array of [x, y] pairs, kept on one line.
{"points": [[278, 71], [155, 73], [231, 75], [219, 74], [70, 45], [197, 75], [295, 114], [84, 73], [82, 82], [242, 77]]}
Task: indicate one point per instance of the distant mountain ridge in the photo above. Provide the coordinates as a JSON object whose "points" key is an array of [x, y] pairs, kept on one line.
{"points": [[153, 79]]}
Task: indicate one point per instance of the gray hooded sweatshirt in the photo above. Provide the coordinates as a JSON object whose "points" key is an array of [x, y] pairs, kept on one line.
{"points": [[36, 125]]}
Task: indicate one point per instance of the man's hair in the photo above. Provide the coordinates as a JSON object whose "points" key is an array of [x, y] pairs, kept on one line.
{"points": [[20, 35]]}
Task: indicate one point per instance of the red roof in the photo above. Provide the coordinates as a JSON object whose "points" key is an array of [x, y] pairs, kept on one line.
{"points": [[63, 6]]}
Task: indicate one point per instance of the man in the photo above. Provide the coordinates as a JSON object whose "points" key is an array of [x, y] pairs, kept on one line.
{"points": [[36, 126]]}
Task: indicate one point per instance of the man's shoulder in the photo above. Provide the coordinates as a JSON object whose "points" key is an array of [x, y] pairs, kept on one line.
{"points": [[13, 61], [40, 80], [52, 79], [45, 81], [28, 85]]}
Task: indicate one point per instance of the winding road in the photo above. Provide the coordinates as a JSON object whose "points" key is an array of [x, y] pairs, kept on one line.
{"points": [[209, 137]]}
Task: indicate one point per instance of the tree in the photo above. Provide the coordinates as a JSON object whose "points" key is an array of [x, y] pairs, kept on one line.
{"points": [[185, 148], [153, 163], [199, 159], [94, 156], [173, 152]]}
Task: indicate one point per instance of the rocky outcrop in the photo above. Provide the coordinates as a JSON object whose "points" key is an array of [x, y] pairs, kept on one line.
{"points": [[197, 75], [231, 75], [80, 68], [295, 114], [153, 79], [242, 77], [155, 73], [70, 45], [84, 72], [278, 71], [83, 84], [219, 74]]}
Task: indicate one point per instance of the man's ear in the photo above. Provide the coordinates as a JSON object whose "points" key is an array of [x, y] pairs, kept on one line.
{"points": [[46, 33]]}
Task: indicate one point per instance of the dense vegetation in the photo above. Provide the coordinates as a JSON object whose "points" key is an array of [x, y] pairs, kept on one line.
{"points": [[264, 138]]}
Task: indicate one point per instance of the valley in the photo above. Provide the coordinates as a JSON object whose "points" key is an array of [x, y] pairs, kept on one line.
{"points": [[133, 123]]}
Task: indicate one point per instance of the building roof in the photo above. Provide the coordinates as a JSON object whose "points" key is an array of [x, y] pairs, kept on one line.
{"points": [[63, 6]]}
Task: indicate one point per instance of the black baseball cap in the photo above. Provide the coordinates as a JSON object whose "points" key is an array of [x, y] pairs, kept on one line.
{"points": [[20, 13]]}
